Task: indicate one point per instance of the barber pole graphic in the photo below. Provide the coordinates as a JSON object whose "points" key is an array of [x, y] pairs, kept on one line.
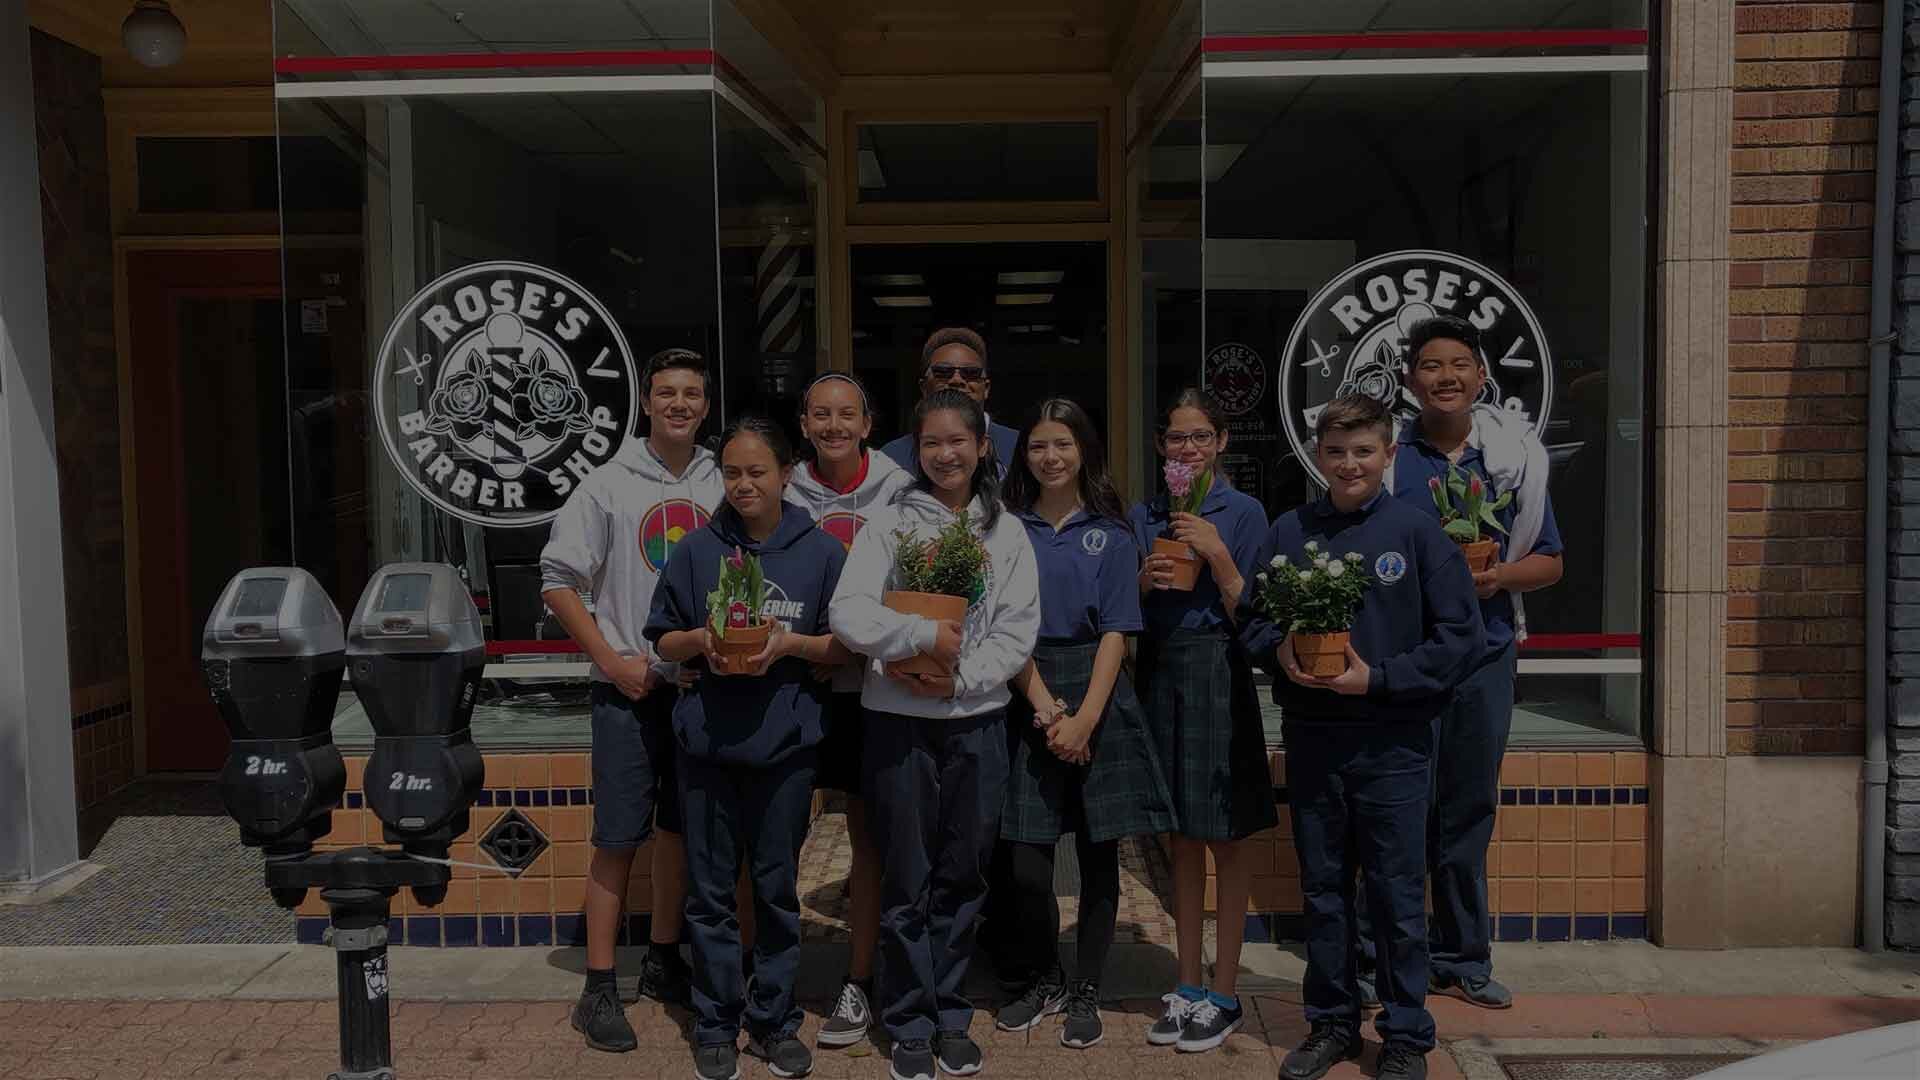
{"points": [[776, 283]]}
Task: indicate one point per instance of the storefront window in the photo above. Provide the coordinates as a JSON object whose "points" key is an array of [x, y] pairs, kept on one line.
{"points": [[531, 232], [1360, 167]]}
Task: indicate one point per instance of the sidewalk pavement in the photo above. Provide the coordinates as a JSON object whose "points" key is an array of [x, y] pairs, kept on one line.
{"points": [[159, 1013]]}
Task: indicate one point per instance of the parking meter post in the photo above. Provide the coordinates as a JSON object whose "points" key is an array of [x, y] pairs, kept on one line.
{"points": [[359, 939]]}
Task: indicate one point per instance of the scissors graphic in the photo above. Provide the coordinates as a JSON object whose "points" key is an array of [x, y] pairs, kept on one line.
{"points": [[1323, 357], [416, 368]]}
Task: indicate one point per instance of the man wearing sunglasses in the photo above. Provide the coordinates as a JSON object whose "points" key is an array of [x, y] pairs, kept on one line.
{"points": [[955, 358]]}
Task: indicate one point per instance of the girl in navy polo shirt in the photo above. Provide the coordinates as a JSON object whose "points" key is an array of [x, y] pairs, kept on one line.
{"points": [[843, 486], [1082, 760], [749, 749], [1198, 690]]}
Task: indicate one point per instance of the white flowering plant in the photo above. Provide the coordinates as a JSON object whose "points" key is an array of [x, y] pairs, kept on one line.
{"points": [[1317, 596]]}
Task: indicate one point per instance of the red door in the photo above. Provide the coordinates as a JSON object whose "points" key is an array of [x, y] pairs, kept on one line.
{"points": [[209, 452]]}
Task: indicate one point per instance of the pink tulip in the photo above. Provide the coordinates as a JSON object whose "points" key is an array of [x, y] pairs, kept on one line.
{"points": [[1433, 484], [1474, 487], [737, 560]]}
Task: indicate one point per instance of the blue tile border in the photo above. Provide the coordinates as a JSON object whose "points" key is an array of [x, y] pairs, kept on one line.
{"points": [[1291, 927], [1553, 928]]}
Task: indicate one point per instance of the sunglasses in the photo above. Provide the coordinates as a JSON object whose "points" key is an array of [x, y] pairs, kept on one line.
{"points": [[946, 372]]}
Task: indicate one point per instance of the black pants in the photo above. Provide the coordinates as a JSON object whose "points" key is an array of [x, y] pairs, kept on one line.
{"points": [[934, 789], [1036, 910], [735, 814]]}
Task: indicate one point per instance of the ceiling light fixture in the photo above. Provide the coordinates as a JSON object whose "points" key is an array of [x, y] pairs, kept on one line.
{"points": [[1031, 277], [903, 301], [893, 280], [153, 34], [1023, 299]]}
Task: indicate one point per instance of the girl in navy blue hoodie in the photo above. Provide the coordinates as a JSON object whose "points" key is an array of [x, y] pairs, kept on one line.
{"points": [[749, 749]]}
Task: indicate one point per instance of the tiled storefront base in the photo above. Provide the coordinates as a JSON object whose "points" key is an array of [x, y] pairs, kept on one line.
{"points": [[1568, 862], [102, 751]]}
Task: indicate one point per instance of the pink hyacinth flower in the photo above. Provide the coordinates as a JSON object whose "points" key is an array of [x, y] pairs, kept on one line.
{"points": [[1179, 479]]}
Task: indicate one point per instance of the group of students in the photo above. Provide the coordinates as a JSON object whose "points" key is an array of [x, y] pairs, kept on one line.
{"points": [[960, 786]]}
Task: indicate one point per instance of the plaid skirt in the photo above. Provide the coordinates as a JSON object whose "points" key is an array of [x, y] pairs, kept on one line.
{"points": [[1204, 714], [1121, 792]]}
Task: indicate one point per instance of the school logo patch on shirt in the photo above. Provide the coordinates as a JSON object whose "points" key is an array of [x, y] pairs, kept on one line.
{"points": [[1390, 567], [1093, 541]]}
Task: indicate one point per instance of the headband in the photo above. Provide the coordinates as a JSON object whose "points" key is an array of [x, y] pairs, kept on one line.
{"points": [[843, 377]]}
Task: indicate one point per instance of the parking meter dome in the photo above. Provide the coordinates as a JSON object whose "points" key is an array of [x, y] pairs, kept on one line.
{"points": [[416, 654], [272, 654]]}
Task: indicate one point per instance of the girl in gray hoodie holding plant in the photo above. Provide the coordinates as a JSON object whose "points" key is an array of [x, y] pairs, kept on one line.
{"points": [[935, 764]]}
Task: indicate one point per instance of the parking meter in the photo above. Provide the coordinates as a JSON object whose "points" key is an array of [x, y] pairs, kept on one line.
{"points": [[272, 656], [416, 654]]}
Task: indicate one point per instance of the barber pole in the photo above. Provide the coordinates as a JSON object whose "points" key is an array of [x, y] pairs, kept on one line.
{"points": [[781, 314]]}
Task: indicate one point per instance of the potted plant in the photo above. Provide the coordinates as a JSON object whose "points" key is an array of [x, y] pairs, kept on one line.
{"points": [[1464, 509], [1316, 603], [1187, 488], [937, 579], [733, 612]]}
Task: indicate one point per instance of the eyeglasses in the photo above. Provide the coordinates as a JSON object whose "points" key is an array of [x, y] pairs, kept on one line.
{"points": [[946, 372], [1200, 439]]}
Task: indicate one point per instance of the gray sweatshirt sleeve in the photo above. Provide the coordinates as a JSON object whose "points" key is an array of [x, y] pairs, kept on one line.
{"points": [[858, 618], [1013, 621], [576, 545]]}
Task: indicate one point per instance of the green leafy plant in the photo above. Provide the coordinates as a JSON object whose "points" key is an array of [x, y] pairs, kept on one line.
{"points": [[1317, 597], [1464, 505], [737, 600], [952, 563]]}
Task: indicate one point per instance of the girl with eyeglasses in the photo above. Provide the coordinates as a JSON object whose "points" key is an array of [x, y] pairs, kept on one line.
{"points": [[1082, 760], [1197, 686], [844, 486]]}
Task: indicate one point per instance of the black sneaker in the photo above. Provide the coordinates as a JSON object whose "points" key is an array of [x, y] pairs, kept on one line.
{"points": [[600, 1017], [1326, 1046], [785, 1056], [852, 1015], [1208, 1025], [1401, 1062], [1166, 1030], [1083, 1027], [912, 1059], [1042, 998], [958, 1054], [719, 1061], [665, 977]]}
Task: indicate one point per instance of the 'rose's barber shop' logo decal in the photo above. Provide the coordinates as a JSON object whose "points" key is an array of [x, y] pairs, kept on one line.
{"points": [[501, 386], [1352, 338]]}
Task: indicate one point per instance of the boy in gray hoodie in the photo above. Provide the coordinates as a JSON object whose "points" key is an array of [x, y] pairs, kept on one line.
{"points": [[611, 541]]}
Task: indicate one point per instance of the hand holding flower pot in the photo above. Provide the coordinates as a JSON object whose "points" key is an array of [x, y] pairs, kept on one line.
{"points": [[1316, 602], [1464, 509], [1187, 488], [937, 580], [735, 627]]}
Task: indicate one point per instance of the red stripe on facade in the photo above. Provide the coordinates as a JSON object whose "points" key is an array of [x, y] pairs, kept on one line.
{"points": [[1579, 642], [314, 65], [1424, 39]]}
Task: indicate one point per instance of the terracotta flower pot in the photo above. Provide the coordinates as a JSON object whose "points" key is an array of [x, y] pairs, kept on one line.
{"points": [[1481, 555], [739, 645], [1186, 565], [1324, 655], [931, 606]]}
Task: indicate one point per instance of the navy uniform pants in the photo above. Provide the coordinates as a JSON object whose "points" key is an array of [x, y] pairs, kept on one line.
{"points": [[759, 815], [934, 789], [1469, 742], [1358, 796]]}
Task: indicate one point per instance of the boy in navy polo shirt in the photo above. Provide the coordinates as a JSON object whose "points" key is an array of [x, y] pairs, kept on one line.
{"points": [[1359, 743], [1447, 373]]}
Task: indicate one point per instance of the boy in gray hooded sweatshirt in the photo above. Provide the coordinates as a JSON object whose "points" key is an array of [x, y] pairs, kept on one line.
{"points": [[611, 541]]}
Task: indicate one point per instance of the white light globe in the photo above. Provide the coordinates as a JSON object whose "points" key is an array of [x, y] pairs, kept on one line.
{"points": [[153, 35]]}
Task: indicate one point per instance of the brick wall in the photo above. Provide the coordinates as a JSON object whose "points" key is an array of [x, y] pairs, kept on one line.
{"points": [[1804, 126], [1903, 663]]}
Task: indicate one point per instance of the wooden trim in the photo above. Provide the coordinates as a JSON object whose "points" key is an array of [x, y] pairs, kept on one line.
{"points": [[1135, 51], [840, 176], [951, 213], [1122, 294], [981, 233], [884, 213], [797, 47], [228, 112], [130, 508], [202, 242]]}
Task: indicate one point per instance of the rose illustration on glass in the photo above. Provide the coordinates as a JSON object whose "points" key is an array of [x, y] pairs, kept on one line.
{"points": [[546, 403], [458, 405]]}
